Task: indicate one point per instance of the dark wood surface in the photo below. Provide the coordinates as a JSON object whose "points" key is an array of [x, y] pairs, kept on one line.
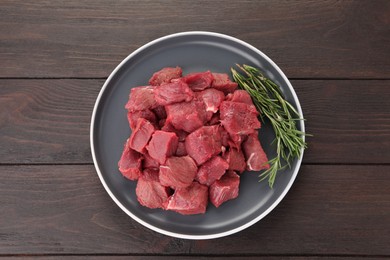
{"points": [[64, 209], [55, 56], [342, 39]]}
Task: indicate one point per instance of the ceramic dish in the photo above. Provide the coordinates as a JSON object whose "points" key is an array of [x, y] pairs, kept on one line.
{"points": [[193, 51]]}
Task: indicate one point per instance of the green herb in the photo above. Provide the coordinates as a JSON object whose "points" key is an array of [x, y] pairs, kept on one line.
{"points": [[270, 102]]}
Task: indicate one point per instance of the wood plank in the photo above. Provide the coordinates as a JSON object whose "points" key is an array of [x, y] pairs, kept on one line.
{"points": [[348, 119], [89, 38], [47, 121], [330, 210]]}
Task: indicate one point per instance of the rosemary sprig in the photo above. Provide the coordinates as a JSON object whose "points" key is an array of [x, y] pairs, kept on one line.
{"points": [[270, 102]]}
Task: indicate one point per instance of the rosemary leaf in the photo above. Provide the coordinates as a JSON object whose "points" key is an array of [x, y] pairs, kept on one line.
{"points": [[271, 103]]}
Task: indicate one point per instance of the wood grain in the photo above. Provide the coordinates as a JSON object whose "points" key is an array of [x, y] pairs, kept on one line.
{"points": [[347, 119], [324, 39], [47, 121], [332, 210]]}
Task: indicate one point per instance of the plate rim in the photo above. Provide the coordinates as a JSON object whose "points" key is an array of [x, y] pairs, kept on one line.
{"points": [[175, 234]]}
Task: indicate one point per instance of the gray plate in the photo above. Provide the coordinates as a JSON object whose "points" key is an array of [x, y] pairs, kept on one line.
{"points": [[193, 51]]}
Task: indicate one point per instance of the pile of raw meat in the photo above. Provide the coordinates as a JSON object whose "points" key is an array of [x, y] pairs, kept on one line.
{"points": [[191, 138]]}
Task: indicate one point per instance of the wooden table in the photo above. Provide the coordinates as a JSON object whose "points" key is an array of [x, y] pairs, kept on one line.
{"points": [[55, 56]]}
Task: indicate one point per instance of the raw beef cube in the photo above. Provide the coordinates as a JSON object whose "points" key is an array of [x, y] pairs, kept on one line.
{"points": [[150, 174], [256, 159], [236, 160], [165, 75], [160, 112], [211, 170], [162, 145], [236, 140], [150, 193], [130, 163], [187, 116], [225, 189], [204, 143], [141, 135], [231, 140], [178, 172], [181, 149], [214, 119], [174, 92], [225, 137], [212, 98], [141, 98], [199, 80], [181, 134], [239, 118], [189, 200], [132, 117], [240, 96], [149, 162], [222, 82], [161, 124]]}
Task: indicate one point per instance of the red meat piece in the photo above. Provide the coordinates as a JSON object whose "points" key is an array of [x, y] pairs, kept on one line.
{"points": [[178, 172], [165, 75], [162, 145], [189, 200], [168, 127], [235, 159], [199, 80], [225, 137], [160, 112], [174, 92], [222, 82], [211, 170], [132, 117], [212, 98], [141, 135], [187, 116], [141, 98], [239, 118], [161, 123], [236, 140], [225, 189], [150, 174], [204, 143], [256, 159], [240, 96], [214, 119], [130, 163], [181, 149], [150, 193], [149, 162], [231, 140]]}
